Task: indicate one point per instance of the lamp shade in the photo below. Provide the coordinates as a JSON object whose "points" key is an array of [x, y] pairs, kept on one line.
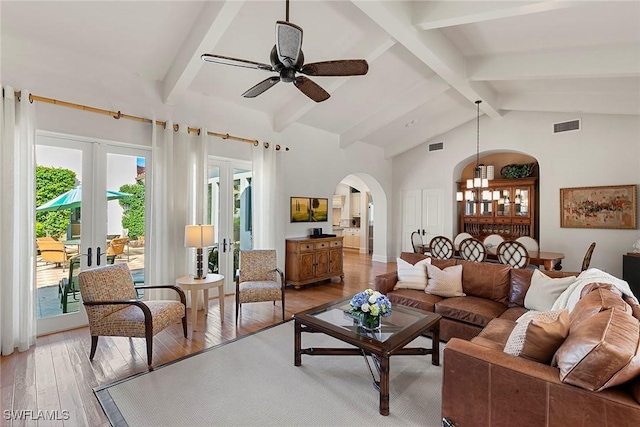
{"points": [[198, 236]]}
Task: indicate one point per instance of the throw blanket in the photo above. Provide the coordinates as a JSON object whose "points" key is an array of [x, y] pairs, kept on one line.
{"points": [[571, 295]]}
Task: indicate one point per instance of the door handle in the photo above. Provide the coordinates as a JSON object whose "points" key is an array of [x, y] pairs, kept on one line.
{"points": [[99, 255], [88, 255], [224, 245]]}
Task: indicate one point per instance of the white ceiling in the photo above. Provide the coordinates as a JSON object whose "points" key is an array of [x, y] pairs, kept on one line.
{"points": [[428, 61]]}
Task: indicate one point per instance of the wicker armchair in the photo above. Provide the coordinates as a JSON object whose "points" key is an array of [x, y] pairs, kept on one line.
{"points": [[114, 310], [257, 279]]}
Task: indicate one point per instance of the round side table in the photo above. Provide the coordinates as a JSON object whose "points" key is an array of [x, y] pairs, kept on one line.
{"points": [[193, 285]]}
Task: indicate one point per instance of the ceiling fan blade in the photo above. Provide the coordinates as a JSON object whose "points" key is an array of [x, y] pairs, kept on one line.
{"points": [[288, 43], [225, 60], [311, 89], [261, 87], [345, 67]]}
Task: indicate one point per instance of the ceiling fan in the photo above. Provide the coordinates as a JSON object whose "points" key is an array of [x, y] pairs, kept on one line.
{"points": [[287, 60]]}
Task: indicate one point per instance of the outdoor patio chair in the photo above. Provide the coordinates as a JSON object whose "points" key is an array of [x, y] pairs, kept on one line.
{"points": [[116, 246], [52, 251], [113, 309], [257, 279], [69, 285]]}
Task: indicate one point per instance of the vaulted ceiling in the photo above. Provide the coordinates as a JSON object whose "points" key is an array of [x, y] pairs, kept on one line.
{"points": [[428, 60]]}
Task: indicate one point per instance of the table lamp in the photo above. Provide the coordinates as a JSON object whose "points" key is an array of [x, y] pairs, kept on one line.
{"points": [[198, 236]]}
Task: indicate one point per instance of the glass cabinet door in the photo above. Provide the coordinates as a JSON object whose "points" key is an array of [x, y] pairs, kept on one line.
{"points": [[521, 201], [504, 203]]}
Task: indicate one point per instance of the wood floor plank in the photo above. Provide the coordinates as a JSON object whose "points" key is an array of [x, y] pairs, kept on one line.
{"points": [[57, 368]]}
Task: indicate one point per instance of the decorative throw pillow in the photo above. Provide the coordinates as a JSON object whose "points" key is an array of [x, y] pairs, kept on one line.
{"points": [[412, 276], [601, 351], [538, 335], [444, 283], [544, 291]]}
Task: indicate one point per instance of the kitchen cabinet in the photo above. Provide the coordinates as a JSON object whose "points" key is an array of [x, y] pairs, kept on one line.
{"points": [[312, 260], [355, 204], [352, 238], [513, 215]]}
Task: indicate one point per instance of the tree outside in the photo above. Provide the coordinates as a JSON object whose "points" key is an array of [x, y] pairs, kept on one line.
{"points": [[51, 182], [133, 216]]}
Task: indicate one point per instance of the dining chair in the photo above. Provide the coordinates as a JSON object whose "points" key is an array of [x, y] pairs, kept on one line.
{"points": [[513, 254], [441, 247], [587, 256], [473, 250], [529, 242], [257, 279], [416, 242], [492, 241], [459, 238], [114, 309]]}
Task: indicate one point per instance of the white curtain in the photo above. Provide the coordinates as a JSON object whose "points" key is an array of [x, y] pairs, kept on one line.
{"points": [[268, 182], [178, 198], [17, 219], [163, 237]]}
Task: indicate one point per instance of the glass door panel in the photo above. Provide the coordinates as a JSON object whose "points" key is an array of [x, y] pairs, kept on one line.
{"points": [[521, 201], [229, 210]]}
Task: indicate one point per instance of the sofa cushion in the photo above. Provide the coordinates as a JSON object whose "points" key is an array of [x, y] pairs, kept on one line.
{"points": [[544, 291], [446, 282], [414, 299], [412, 276], [474, 310], [513, 313], [537, 335], [486, 280], [521, 280], [601, 351], [498, 331], [600, 297], [443, 263]]}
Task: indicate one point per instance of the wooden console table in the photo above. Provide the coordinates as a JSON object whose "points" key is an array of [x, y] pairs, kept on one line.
{"points": [[312, 260]]}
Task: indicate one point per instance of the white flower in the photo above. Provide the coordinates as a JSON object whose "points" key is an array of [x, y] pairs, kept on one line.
{"points": [[377, 294], [365, 307], [372, 299]]}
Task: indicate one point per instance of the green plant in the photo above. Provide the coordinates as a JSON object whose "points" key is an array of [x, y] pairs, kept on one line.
{"points": [[50, 183], [517, 171], [133, 216]]}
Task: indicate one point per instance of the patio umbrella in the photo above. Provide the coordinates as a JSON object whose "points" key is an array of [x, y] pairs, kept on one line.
{"points": [[72, 198]]}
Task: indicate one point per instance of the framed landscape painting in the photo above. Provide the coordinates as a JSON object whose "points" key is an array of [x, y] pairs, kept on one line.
{"points": [[309, 209], [613, 206]]}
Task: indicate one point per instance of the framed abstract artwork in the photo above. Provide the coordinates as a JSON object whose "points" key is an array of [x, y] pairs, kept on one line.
{"points": [[613, 206], [309, 209]]}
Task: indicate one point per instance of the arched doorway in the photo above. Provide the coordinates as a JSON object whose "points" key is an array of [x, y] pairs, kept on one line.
{"points": [[371, 213]]}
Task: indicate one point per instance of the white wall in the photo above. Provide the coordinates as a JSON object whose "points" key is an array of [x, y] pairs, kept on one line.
{"points": [[605, 152]]}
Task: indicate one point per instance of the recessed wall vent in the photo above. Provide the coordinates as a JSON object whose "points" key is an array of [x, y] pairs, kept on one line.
{"points": [[566, 126], [436, 146]]}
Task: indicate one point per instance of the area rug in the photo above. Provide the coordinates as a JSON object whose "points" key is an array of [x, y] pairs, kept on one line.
{"points": [[252, 381]]}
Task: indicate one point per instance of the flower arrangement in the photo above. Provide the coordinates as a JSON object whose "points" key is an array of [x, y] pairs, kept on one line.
{"points": [[369, 306]]}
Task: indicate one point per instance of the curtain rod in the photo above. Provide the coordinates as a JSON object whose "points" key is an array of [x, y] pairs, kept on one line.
{"points": [[119, 115]]}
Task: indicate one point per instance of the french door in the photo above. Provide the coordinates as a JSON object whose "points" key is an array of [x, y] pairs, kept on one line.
{"points": [[99, 219], [229, 210]]}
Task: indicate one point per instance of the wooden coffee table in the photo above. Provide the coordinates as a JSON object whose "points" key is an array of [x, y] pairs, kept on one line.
{"points": [[399, 329]]}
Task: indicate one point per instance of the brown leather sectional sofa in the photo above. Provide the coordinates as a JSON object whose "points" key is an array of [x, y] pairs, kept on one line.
{"points": [[485, 387]]}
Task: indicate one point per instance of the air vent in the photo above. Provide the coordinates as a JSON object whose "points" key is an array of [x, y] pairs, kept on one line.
{"points": [[566, 126], [436, 146]]}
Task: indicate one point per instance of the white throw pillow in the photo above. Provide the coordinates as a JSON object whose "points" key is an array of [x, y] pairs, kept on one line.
{"points": [[445, 283], [544, 291], [412, 276]]}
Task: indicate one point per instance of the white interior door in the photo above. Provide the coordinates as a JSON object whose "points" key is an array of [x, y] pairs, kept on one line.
{"points": [[82, 229], [411, 216], [422, 211]]}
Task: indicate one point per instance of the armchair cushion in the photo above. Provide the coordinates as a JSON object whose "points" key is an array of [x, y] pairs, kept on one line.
{"points": [[129, 321], [257, 291]]}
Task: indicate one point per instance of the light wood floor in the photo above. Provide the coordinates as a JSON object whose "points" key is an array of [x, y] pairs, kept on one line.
{"points": [[56, 374]]}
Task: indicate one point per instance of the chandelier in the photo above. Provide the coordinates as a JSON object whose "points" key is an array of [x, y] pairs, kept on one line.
{"points": [[477, 187]]}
